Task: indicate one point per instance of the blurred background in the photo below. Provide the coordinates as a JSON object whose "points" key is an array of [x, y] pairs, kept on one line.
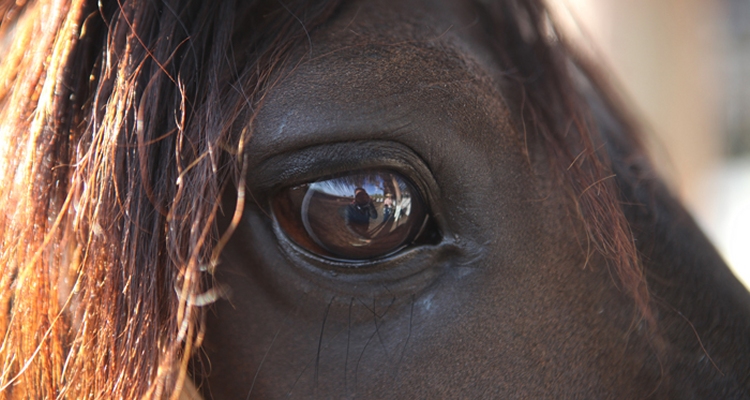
{"points": [[685, 66]]}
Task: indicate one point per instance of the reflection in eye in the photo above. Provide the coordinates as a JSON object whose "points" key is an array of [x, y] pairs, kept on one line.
{"points": [[357, 216]]}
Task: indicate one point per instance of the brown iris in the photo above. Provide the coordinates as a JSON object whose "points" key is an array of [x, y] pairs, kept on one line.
{"points": [[358, 216]]}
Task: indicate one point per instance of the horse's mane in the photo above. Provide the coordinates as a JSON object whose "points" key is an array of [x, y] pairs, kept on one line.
{"points": [[122, 125], [555, 87]]}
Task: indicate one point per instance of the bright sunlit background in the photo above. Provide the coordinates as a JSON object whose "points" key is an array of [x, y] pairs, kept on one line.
{"points": [[685, 64]]}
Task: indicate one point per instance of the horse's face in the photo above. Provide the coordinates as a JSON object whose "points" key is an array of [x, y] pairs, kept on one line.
{"points": [[501, 301]]}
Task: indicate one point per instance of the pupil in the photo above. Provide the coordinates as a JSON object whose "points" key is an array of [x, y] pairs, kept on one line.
{"points": [[358, 216]]}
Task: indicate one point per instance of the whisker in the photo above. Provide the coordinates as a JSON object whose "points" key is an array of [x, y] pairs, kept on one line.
{"points": [[263, 360], [320, 340], [408, 336], [377, 327], [348, 340], [356, 367]]}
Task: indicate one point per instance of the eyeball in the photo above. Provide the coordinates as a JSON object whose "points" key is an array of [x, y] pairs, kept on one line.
{"points": [[354, 217]]}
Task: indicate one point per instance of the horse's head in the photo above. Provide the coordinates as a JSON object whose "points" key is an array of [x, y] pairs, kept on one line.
{"points": [[374, 199], [515, 294]]}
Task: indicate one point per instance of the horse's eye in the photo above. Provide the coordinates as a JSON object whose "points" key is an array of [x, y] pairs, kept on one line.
{"points": [[358, 216]]}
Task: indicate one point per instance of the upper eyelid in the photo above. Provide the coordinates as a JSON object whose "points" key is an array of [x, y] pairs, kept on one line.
{"points": [[328, 160]]}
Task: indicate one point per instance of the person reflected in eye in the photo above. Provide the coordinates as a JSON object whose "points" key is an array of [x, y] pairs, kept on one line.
{"points": [[360, 212], [387, 207]]}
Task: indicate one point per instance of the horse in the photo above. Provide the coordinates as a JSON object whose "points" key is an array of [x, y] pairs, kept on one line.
{"points": [[179, 184]]}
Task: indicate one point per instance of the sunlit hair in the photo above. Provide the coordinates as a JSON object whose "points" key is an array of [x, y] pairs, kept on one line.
{"points": [[121, 127], [123, 123], [554, 109]]}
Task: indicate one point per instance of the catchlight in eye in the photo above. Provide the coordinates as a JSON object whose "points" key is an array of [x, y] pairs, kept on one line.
{"points": [[359, 216]]}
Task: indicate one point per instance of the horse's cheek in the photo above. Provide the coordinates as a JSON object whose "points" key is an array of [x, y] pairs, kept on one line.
{"points": [[504, 321]]}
